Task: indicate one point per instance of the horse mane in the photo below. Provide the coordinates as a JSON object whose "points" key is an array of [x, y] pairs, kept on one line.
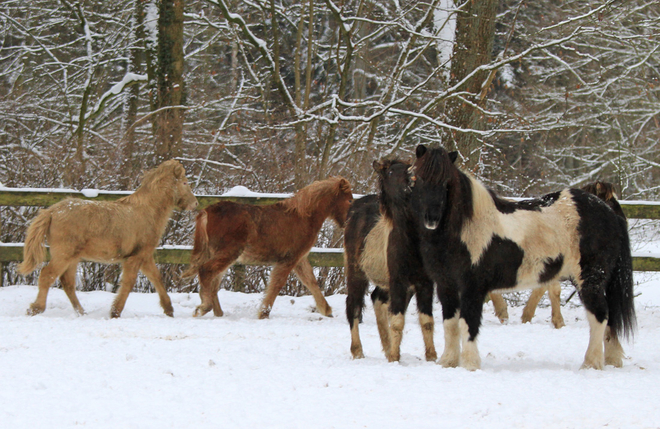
{"points": [[603, 190], [159, 178], [308, 199]]}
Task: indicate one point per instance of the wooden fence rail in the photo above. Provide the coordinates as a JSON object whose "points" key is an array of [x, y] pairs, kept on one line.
{"points": [[11, 252]]}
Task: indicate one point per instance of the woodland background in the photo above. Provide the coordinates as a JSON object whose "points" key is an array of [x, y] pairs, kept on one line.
{"points": [[273, 94]]}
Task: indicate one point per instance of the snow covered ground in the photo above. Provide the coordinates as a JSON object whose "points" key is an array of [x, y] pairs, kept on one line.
{"points": [[294, 370]]}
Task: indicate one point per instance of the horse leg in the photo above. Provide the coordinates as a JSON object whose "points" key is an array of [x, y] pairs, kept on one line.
{"points": [[68, 280], [49, 273], [613, 350], [397, 315], [277, 281], [449, 299], [210, 275], [500, 307], [595, 303], [424, 292], [554, 293], [380, 298], [217, 309], [305, 274], [128, 277], [356, 287], [153, 274], [468, 325], [532, 303]]}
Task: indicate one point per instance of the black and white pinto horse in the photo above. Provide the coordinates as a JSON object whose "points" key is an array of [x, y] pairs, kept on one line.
{"points": [[473, 242], [606, 192], [381, 246]]}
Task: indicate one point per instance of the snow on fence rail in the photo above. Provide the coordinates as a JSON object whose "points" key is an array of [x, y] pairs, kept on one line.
{"points": [[319, 257]]}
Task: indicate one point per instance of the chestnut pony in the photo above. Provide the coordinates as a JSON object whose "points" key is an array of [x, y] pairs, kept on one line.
{"points": [[125, 231], [279, 234]]}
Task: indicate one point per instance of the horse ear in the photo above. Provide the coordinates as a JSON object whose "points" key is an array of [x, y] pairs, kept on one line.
{"points": [[453, 156], [344, 186], [377, 166], [179, 171], [420, 151]]}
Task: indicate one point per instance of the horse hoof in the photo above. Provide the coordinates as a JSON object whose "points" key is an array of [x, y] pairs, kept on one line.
{"points": [[558, 324], [264, 315], [199, 312], [431, 356], [34, 310]]}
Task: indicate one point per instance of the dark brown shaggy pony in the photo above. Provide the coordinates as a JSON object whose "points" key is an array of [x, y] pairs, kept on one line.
{"points": [[280, 234], [606, 192], [381, 246], [125, 231]]}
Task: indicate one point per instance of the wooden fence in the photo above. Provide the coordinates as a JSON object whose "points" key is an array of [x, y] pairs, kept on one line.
{"points": [[12, 252]]}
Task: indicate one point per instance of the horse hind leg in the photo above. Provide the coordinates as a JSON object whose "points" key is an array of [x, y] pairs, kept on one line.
{"points": [[150, 270], [128, 277], [277, 281], [356, 287], [532, 303], [68, 280], [554, 293], [593, 298], [217, 309], [499, 304], [54, 269], [210, 275], [305, 274], [613, 350], [380, 299]]}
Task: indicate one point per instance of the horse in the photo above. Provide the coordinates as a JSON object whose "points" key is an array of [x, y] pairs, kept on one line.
{"points": [[125, 231], [606, 192], [474, 242], [380, 246], [279, 234]]}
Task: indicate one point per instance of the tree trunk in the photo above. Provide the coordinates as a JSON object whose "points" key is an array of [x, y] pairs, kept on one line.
{"points": [[475, 32], [169, 123], [130, 165]]}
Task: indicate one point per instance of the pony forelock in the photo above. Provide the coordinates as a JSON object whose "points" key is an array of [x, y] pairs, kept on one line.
{"points": [[435, 166]]}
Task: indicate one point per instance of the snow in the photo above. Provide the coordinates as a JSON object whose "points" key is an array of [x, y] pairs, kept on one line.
{"points": [[90, 193], [294, 370], [444, 21], [242, 191]]}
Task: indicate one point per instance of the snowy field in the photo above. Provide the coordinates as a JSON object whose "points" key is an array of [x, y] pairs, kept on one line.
{"points": [[294, 370]]}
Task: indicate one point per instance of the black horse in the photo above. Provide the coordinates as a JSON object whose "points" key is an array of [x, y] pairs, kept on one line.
{"points": [[381, 245], [473, 242]]}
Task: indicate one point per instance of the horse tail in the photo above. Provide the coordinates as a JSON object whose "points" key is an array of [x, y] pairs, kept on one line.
{"points": [[619, 291], [34, 251], [201, 252]]}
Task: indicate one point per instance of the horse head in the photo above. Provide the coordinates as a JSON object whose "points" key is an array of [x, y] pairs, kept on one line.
{"points": [[344, 198], [184, 199], [432, 175], [393, 179]]}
